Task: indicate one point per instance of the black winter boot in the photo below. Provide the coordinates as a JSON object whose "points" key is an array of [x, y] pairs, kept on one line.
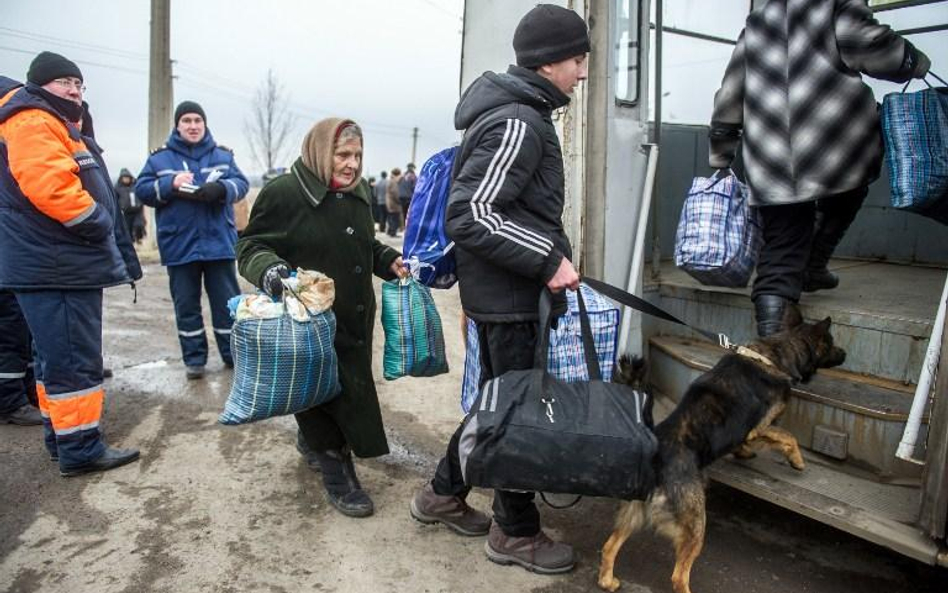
{"points": [[817, 276], [342, 486], [829, 231], [771, 313]]}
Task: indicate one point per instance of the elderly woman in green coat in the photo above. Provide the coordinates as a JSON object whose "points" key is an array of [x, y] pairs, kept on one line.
{"points": [[319, 217]]}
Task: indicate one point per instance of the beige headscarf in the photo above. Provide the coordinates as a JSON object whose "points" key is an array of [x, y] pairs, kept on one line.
{"points": [[318, 147]]}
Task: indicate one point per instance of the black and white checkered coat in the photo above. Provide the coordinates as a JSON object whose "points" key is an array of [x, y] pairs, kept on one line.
{"points": [[793, 92]]}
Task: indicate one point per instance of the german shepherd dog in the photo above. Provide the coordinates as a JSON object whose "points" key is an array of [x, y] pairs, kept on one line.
{"points": [[729, 409]]}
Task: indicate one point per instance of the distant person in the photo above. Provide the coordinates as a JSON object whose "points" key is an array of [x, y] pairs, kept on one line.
{"points": [[132, 208], [192, 183], [392, 205], [320, 218], [378, 201], [406, 188], [793, 92], [61, 242]]}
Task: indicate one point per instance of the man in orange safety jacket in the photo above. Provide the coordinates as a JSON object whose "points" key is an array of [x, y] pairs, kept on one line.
{"points": [[62, 241]]}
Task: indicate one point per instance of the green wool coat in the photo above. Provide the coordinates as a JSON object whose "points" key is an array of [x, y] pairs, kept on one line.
{"points": [[298, 221]]}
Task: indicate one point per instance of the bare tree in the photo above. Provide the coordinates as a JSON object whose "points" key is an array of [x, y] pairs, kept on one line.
{"points": [[270, 123]]}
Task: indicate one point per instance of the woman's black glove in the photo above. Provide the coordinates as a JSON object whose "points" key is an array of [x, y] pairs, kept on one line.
{"points": [[272, 282], [213, 192]]}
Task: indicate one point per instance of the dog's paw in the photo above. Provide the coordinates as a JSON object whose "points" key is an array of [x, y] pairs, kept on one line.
{"points": [[609, 583], [744, 453], [797, 463]]}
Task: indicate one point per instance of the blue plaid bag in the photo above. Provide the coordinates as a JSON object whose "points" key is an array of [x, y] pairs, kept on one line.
{"points": [[414, 341], [566, 362], [281, 366], [915, 130], [719, 235]]}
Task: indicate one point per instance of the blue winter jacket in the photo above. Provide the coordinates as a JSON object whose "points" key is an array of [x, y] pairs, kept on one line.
{"points": [[57, 205], [188, 230]]}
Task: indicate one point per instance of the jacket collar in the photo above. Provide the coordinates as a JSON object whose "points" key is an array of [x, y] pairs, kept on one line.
{"points": [[194, 151], [315, 190], [548, 91], [20, 99]]}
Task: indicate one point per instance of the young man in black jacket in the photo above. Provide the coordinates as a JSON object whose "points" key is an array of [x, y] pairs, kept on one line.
{"points": [[505, 216]]}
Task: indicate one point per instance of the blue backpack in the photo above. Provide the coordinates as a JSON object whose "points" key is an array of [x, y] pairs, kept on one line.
{"points": [[427, 249]]}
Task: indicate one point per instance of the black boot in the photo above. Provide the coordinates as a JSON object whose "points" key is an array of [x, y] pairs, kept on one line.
{"points": [[770, 310], [829, 231], [342, 486], [817, 276]]}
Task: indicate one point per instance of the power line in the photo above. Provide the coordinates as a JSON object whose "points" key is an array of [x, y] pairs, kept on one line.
{"points": [[83, 62], [442, 9], [70, 43]]}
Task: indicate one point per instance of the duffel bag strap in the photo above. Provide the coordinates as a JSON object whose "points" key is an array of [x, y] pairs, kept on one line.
{"points": [[541, 356]]}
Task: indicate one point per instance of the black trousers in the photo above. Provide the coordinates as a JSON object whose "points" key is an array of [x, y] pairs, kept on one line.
{"points": [[504, 347], [788, 235], [17, 387]]}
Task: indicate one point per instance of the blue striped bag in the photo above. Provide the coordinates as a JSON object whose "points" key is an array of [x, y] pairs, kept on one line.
{"points": [[281, 366], [915, 130], [414, 340], [566, 361], [719, 233]]}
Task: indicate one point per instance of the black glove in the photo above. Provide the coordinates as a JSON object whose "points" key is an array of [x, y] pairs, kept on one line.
{"points": [[272, 282], [922, 64], [213, 192]]}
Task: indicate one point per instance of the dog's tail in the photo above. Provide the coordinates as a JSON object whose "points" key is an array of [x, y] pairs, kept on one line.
{"points": [[633, 372]]}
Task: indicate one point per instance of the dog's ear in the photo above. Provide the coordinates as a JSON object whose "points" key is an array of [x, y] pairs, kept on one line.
{"points": [[824, 326]]}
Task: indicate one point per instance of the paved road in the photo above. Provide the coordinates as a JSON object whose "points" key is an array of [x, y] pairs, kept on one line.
{"points": [[234, 509]]}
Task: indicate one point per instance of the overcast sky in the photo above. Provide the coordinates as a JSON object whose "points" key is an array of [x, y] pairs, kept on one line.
{"points": [[388, 65]]}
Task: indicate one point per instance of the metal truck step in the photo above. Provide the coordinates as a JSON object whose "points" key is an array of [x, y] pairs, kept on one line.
{"points": [[841, 415], [882, 313], [881, 513]]}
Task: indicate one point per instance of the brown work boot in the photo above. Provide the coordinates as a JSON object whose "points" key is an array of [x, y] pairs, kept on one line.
{"points": [[429, 507], [537, 554]]}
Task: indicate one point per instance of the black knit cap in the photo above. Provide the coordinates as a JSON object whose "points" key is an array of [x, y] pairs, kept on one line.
{"points": [[548, 34], [188, 107], [47, 67]]}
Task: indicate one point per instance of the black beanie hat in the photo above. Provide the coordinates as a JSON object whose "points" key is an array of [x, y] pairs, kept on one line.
{"points": [[47, 67], [188, 107], [548, 34]]}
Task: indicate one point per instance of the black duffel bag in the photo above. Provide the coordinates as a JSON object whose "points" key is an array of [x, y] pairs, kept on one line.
{"points": [[528, 431]]}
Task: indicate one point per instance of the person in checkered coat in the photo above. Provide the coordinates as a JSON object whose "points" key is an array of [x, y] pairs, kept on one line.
{"points": [[793, 92]]}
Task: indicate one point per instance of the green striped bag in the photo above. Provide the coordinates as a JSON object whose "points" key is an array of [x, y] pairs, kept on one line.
{"points": [[414, 341]]}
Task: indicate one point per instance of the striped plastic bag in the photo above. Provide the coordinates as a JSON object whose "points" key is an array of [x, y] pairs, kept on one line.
{"points": [[281, 366], [414, 340], [915, 130], [566, 359], [719, 233]]}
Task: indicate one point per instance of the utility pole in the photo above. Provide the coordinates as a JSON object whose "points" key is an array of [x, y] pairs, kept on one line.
{"points": [[159, 88], [414, 143]]}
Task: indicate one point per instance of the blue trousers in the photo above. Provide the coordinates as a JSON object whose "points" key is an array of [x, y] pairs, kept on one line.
{"points": [[67, 337], [16, 360], [220, 282]]}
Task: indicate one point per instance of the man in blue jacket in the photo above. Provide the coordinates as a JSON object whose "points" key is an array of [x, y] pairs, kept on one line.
{"points": [[60, 245], [193, 183]]}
